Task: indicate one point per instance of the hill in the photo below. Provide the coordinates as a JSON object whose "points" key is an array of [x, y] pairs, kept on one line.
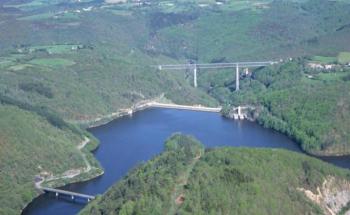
{"points": [[309, 105], [88, 59], [186, 180], [30, 146], [84, 65]]}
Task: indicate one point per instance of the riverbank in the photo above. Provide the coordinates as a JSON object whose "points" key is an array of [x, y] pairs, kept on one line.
{"points": [[267, 119], [249, 112], [158, 102], [227, 172], [72, 175], [90, 171], [131, 140], [184, 107]]}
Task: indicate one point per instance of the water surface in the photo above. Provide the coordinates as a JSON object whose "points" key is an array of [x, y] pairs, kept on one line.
{"points": [[128, 141]]}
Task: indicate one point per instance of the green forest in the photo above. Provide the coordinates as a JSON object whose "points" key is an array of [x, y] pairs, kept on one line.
{"points": [[220, 181], [311, 106], [31, 145]]}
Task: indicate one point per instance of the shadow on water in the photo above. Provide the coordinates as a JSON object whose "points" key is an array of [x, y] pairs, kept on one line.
{"points": [[127, 141]]}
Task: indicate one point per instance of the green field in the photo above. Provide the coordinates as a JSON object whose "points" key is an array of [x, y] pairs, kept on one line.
{"points": [[18, 67], [55, 49], [29, 5], [324, 59], [52, 62], [344, 57], [37, 17]]}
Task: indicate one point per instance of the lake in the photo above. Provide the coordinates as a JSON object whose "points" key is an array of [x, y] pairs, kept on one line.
{"points": [[129, 140]]}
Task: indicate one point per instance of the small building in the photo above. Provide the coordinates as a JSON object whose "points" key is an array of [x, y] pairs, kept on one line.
{"points": [[329, 66]]}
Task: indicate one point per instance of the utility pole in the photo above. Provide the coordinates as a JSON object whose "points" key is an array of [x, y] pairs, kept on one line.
{"points": [[237, 77]]}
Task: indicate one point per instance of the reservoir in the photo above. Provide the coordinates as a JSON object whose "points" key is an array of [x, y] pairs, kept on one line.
{"points": [[130, 140]]}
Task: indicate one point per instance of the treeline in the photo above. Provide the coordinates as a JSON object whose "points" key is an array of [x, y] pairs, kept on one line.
{"points": [[38, 88], [52, 117]]}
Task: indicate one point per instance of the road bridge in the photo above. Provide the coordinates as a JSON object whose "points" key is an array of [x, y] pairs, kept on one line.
{"points": [[195, 66], [73, 195]]}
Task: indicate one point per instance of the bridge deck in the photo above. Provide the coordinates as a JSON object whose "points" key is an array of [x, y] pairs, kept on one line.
{"points": [[68, 193], [215, 65]]}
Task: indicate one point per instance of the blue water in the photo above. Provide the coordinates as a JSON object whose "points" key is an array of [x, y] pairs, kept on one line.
{"points": [[128, 141]]}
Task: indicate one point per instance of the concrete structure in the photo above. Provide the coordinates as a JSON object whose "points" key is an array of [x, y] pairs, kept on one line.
{"points": [[195, 76], [240, 112], [184, 107], [195, 67], [237, 77], [73, 195]]}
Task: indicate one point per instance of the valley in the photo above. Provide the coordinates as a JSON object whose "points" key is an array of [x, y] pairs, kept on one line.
{"points": [[68, 65]]}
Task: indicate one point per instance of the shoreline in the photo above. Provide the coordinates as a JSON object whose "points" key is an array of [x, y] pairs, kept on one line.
{"points": [[143, 105], [153, 103], [73, 176]]}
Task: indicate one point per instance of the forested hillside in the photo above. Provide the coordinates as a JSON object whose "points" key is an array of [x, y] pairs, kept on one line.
{"points": [[31, 146], [83, 64], [87, 59], [186, 180], [309, 105]]}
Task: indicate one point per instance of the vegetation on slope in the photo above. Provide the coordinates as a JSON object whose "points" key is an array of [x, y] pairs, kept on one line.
{"points": [[223, 181], [149, 188], [86, 59], [98, 59], [94, 66], [30, 145], [263, 30], [309, 105]]}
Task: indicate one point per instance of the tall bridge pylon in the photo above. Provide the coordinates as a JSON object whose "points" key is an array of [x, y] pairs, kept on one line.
{"points": [[195, 66]]}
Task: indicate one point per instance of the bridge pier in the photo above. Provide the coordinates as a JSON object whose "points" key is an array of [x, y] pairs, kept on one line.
{"points": [[195, 76], [237, 77], [239, 115], [195, 67]]}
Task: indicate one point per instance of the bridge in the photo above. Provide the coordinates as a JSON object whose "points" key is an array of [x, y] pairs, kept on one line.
{"points": [[196, 66], [73, 195]]}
